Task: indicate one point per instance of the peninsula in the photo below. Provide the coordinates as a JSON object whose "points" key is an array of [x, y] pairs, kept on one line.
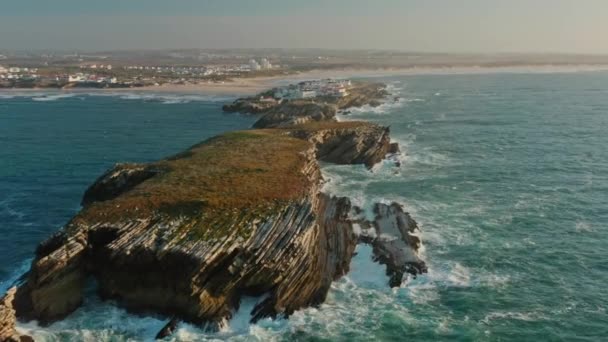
{"points": [[240, 214]]}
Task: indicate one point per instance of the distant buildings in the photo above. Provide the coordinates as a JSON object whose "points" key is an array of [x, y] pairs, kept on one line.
{"points": [[85, 78], [76, 78], [310, 89], [18, 73], [95, 66], [265, 64], [254, 65]]}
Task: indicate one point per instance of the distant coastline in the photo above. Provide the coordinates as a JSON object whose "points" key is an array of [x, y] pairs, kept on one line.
{"points": [[254, 85]]}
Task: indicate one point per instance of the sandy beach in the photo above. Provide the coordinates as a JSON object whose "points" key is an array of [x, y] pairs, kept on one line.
{"points": [[251, 86], [248, 86]]}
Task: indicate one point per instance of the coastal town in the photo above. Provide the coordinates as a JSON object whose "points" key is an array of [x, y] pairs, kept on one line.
{"points": [[316, 88], [150, 68], [98, 75]]}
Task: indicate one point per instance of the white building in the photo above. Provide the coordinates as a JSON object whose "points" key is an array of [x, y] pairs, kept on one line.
{"points": [[254, 65], [306, 93], [77, 78], [14, 69], [265, 64], [3, 70]]}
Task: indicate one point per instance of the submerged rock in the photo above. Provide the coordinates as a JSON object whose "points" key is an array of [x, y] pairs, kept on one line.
{"points": [[168, 329]]}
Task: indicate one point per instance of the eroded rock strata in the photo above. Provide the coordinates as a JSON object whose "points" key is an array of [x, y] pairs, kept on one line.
{"points": [[8, 319], [241, 214], [280, 113]]}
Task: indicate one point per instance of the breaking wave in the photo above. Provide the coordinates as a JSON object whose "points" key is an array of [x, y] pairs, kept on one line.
{"points": [[135, 96]]}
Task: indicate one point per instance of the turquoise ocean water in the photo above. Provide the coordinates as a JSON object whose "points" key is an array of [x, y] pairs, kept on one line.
{"points": [[507, 175]]}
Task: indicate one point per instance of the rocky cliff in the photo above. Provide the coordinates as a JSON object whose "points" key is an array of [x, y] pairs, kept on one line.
{"points": [[241, 214], [8, 319], [285, 113]]}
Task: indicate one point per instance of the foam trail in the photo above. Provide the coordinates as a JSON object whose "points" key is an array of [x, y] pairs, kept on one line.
{"points": [[365, 272], [50, 97]]}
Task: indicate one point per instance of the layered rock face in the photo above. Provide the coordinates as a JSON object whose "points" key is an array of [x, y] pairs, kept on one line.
{"points": [[348, 142], [241, 214], [296, 113], [8, 319], [286, 113]]}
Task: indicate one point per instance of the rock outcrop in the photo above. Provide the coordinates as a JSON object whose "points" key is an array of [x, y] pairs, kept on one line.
{"points": [[392, 234], [359, 94], [296, 112], [8, 319], [119, 179], [348, 142], [254, 105]]}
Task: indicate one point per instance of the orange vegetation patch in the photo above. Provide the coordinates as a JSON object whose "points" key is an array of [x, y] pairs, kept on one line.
{"points": [[243, 171], [312, 126]]}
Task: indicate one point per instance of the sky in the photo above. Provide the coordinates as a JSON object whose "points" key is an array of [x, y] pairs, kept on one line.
{"points": [[453, 26]]}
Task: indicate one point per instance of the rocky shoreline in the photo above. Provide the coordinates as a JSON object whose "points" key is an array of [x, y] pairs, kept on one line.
{"points": [[241, 214]]}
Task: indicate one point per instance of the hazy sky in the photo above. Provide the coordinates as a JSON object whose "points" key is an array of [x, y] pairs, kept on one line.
{"points": [[574, 26]]}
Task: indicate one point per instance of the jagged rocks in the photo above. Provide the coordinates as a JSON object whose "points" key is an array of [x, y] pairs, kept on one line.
{"points": [[359, 94], [392, 234], [119, 179], [8, 319], [393, 148], [168, 329], [296, 113], [348, 142]]}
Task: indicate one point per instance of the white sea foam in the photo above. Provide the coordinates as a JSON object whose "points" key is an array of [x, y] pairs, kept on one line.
{"points": [[96, 321], [365, 272], [240, 321], [52, 97], [168, 98], [384, 108], [530, 316], [583, 227], [135, 96]]}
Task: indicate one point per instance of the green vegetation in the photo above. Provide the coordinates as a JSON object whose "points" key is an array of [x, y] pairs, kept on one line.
{"points": [[251, 173]]}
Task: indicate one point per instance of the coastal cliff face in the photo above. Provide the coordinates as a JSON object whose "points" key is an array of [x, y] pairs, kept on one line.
{"points": [[351, 142], [241, 214], [8, 319]]}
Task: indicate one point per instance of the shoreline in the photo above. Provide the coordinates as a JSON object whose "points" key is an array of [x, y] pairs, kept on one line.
{"points": [[252, 86]]}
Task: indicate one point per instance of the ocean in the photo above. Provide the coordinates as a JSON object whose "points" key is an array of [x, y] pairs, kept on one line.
{"points": [[506, 174]]}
